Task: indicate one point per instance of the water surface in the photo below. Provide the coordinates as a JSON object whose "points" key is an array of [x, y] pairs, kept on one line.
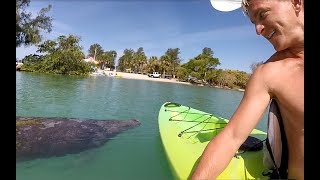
{"points": [[134, 154]]}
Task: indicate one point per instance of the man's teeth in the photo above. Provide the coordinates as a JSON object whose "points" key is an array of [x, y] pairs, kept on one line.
{"points": [[270, 35]]}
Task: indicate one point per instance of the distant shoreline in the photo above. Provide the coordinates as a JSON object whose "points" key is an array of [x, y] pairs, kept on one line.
{"points": [[146, 77]]}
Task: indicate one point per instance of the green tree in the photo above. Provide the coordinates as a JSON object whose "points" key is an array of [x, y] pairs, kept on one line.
{"points": [[182, 73], [28, 29], [241, 79], [164, 64], [63, 56], [95, 51], [172, 56], [126, 60], [107, 59], [207, 51], [202, 64], [140, 60], [153, 64]]}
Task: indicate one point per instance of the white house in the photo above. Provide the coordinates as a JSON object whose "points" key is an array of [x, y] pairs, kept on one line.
{"points": [[90, 59]]}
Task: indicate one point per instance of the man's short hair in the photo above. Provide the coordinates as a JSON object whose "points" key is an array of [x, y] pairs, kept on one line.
{"points": [[245, 5]]}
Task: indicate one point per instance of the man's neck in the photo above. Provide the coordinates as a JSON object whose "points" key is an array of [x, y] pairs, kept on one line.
{"points": [[297, 51]]}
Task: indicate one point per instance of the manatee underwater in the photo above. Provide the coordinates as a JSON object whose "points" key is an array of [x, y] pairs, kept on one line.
{"points": [[44, 137]]}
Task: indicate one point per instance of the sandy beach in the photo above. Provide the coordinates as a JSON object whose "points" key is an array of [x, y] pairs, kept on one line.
{"points": [[144, 77], [147, 78]]}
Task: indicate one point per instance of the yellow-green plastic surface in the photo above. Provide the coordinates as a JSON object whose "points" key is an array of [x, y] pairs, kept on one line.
{"points": [[185, 132]]}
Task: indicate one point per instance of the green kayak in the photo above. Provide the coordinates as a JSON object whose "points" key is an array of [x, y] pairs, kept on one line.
{"points": [[186, 131]]}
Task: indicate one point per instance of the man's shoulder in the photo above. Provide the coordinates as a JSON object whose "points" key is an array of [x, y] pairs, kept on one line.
{"points": [[269, 67], [267, 73], [274, 64]]}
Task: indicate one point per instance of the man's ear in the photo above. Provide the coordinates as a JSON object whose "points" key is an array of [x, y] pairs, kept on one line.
{"points": [[297, 5]]}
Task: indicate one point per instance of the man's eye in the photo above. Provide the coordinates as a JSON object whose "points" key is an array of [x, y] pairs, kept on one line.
{"points": [[263, 14]]}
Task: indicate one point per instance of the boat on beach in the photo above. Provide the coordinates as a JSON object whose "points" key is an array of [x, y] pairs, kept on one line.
{"points": [[112, 74]]}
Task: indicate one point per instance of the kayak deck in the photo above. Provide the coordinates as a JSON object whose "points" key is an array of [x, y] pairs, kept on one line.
{"points": [[185, 132]]}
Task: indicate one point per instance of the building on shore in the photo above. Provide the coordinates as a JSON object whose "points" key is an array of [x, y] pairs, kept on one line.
{"points": [[18, 66], [91, 60]]}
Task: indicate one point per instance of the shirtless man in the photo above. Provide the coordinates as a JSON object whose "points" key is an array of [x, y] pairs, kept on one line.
{"points": [[281, 78]]}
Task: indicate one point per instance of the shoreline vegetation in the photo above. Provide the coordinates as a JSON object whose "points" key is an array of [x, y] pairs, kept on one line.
{"points": [[70, 60], [64, 56], [135, 76]]}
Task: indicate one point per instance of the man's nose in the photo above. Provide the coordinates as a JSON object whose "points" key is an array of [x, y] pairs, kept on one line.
{"points": [[259, 28]]}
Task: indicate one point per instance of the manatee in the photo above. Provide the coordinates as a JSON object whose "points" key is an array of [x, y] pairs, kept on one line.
{"points": [[44, 137]]}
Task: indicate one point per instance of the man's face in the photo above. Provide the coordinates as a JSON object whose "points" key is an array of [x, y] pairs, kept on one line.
{"points": [[275, 20]]}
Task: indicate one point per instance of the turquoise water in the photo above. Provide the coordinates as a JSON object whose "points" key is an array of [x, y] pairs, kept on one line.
{"points": [[133, 154]]}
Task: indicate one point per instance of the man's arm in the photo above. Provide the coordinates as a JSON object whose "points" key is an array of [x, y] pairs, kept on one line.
{"points": [[223, 147]]}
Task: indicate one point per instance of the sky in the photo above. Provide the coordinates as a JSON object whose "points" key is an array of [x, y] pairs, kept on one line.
{"points": [[156, 26]]}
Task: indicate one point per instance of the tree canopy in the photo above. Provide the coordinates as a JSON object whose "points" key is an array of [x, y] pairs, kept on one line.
{"points": [[28, 28], [63, 56]]}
